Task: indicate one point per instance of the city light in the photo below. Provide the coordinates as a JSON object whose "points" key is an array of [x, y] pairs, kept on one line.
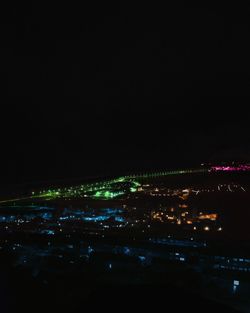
{"points": [[241, 167]]}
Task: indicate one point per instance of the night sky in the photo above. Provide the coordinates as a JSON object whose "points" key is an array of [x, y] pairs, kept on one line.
{"points": [[98, 89]]}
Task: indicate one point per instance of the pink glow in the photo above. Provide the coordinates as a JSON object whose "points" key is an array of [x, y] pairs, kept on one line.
{"points": [[245, 167]]}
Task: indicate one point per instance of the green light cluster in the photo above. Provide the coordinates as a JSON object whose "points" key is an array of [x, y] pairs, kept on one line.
{"points": [[105, 195]]}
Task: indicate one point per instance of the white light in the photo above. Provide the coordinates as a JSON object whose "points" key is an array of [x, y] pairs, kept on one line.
{"points": [[236, 282]]}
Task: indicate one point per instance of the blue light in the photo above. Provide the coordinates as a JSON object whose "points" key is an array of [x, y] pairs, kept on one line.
{"points": [[46, 216], [119, 219], [90, 250], [63, 218], [111, 211], [95, 218], [48, 232], [126, 250]]}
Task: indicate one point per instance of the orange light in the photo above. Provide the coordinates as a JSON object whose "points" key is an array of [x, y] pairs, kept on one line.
{"points": [[211, 217]]}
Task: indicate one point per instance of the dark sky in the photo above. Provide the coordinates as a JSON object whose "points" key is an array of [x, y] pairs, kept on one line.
{"points": [[100, 89]]}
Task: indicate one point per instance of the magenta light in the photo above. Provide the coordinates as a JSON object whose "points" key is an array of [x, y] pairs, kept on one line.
{"points": [[245, 167]]}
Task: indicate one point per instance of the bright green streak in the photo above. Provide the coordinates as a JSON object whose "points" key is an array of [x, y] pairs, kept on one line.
{"points": [[103, 190]]}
